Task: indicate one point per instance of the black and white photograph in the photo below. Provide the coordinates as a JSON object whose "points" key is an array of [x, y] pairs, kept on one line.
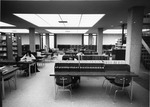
{"points": [[74, 53]]}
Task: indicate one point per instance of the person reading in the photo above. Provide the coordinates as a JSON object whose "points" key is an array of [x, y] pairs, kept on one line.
{"points": [[29, 57]]}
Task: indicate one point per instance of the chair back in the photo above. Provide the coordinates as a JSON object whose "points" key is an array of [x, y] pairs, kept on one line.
{"points": [[123, 80], [117, 67], [63, 80]]}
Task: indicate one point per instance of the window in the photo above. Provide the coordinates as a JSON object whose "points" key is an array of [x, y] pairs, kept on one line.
{"points": [[94, 40], [44, 41], [51, 41], [86, 39]]}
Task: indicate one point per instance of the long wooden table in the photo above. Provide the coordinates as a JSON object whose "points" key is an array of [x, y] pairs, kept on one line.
{"points": [[8, 72], [100, 74]]}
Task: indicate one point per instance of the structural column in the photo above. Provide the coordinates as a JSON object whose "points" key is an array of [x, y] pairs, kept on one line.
{"points": [[55, 41], [82, 39], [100, 40], [134, 37], [90, 39], [19, 45], [47, 40], [32, 39]]}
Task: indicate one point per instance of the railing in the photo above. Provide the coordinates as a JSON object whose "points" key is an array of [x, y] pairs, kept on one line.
{"points": [[146, 46]]}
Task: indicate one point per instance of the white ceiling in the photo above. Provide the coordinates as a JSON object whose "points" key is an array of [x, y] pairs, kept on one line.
{"points": [[114, 10]]}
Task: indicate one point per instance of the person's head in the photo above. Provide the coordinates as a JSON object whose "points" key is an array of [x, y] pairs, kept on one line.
{"points": [[28, 53]]}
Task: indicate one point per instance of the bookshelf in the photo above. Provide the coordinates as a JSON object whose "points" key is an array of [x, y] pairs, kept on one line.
{"points": [[9, 46], [3, 46]]}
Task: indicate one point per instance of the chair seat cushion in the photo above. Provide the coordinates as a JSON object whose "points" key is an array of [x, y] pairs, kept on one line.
{"points": [[61, 84], [120, 85]]}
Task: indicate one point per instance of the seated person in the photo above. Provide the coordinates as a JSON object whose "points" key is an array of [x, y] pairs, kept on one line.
{"points": [[29, 57]]}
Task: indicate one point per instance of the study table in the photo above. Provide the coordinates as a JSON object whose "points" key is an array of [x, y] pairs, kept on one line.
{"points": [[99, 74], [12, 62], [8, 72], [29, 63]]}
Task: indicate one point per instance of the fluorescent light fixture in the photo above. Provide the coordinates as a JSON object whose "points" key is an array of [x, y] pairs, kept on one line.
{"points": [[86, 34], [34, 19], [145, 30], [94, 34], [3, 24], [89, 20], [51, 34], [114, 31], [66, 31], [14, 30], [50, 19], [70, 20]]}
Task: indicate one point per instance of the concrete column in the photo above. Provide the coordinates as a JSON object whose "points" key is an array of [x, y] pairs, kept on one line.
{"points": [[19, 44], [55, 41], [32, 39], [100, 40], [134, 37], [82, 39], [47, 40], [41, 42], [90, 39], [39, 37]]}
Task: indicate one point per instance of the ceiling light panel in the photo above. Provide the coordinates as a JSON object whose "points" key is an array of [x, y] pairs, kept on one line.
{"points": [[52, 20], [14, 30], [56, 20], [34, 19], [114, 31], [66, 31], [3, 24], [72, 19], [89, 20]]}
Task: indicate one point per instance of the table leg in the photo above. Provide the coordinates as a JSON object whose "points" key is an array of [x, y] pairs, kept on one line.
{"points": [[29, 70], [3, 88], [15, 80], [131, 93], [35, 67], [55, 87]]}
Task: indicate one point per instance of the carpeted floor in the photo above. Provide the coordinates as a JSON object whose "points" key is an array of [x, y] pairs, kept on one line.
{"points": [[142, 82]]}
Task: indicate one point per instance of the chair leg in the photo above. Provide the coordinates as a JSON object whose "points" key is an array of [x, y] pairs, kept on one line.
{"points": [[115, 95], [106, 87], [56, 92], [13, 79], [70, 94], [9, 86], [103, 82], [110, 88]]}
